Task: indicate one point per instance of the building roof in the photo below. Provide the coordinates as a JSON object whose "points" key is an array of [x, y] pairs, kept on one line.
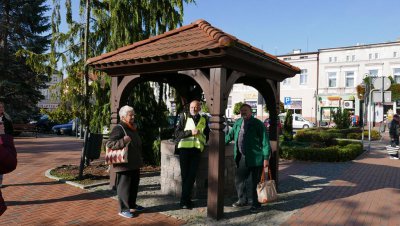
{"points": [[196, 41], [360, 46]]}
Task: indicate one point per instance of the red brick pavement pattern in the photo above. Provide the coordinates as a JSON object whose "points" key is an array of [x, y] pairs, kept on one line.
{"points": [[33, 199], [368, 193]]}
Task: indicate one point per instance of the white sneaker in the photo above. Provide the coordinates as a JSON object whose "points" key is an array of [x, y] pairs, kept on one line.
{"points": [[391, 157]]}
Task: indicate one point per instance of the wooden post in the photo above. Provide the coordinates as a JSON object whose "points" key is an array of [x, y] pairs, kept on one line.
{"points": [[216, 157], [114, 100]]}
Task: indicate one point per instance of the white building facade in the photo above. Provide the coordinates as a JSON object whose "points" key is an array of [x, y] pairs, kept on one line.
{"points": [[51, 93], [301, 89], [248, 95], [328, 81], [342, 69]]}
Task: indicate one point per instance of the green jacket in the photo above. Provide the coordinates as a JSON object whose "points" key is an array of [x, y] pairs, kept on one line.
{"points": [[257, 141]]}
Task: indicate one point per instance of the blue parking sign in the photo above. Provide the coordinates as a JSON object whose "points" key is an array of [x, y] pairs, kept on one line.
{"points": [[287, 101]]}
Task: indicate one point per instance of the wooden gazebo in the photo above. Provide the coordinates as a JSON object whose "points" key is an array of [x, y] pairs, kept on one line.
{"points": [[199, 59]]}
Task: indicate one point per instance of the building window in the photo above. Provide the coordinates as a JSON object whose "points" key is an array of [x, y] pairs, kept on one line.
{"points": [[349, 76], [286, 82], [394, 54], [396, 74], [229, 101], [335, 59], [373, 73], [353, 57], [304, 57], [330, 59], [303, 77], [331, 79], [370, 56], [376, 55], [347, 58], [286, 58]]}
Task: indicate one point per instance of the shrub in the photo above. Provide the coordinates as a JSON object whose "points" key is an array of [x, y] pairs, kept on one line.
{"points": [[317, 136], [288, 127], [350, 151], [342, 118], [356, 136], [157, 152], [344, 151]]}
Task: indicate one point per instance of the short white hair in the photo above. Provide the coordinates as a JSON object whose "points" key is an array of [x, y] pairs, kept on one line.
{"points": [[123, 112]]}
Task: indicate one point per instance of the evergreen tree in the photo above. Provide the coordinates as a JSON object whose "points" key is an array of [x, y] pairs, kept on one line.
{"points": [[341, 118], [114, 23], [236, 108], [288, 127], [22, 36]]}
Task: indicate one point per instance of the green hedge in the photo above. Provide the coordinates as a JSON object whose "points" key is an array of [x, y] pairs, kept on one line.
{"points": [[343, 151], [375, 135], [328, 138]]}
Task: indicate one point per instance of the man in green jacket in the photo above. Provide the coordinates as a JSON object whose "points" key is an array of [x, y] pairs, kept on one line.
{"points": [[251, 153]]}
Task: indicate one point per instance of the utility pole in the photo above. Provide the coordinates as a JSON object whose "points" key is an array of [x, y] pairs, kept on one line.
{"points": [[86, 100]]}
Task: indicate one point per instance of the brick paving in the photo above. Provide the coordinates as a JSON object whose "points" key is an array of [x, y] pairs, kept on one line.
{"points": [[362, 192], [365, 193], [33, 199]]}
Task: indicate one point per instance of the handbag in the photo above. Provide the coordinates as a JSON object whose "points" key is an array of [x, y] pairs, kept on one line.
{"points": [[117, 156], [266, 190]]}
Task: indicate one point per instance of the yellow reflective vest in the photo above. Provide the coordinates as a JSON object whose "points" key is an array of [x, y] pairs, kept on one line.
{"points": [[197, 141]]}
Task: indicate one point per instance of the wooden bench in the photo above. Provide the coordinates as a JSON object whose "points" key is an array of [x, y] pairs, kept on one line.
{"points": [[19, 128]]}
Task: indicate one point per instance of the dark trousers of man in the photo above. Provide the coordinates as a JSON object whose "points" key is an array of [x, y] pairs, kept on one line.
{"points": [[127, 189], [189, 159], [242, 174]]}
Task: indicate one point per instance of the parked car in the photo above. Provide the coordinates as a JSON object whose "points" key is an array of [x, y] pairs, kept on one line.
{"points": [[43, 124], [267, 123], [67, 128], [298, 121]]}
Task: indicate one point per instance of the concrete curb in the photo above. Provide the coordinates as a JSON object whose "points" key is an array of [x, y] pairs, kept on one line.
{"points": [[81, 186]]}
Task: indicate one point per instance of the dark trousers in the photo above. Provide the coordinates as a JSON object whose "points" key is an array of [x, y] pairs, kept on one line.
{"points": [[189, 159], [242, 174], [127, 189]]}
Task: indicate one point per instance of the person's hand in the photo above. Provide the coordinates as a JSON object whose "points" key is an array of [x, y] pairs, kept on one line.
{"points": [[266, 163], [127, 139], [195, 132]]}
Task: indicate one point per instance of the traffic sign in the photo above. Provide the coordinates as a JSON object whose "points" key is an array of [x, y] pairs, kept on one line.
{"points": [[377, 96], [382, 83], [287, 100]]}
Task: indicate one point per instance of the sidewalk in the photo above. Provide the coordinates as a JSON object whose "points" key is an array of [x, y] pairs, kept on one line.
{"points": [[367, 192], [363, 192], [33, 199]]}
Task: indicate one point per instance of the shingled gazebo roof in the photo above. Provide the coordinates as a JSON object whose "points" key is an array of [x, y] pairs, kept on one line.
{"points": [[198, 45]]}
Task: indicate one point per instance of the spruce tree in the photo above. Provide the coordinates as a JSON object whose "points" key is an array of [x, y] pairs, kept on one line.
{"points": [[23, 28], [114, 23]]}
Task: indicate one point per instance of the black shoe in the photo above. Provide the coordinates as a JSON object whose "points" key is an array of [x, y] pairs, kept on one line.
{"points": [[186, 205], [255, 209], [239, 204]]}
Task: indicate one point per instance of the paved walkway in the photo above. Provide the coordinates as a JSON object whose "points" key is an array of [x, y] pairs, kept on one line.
{"points": [[33, 199], [367, 192], [362, 192]]}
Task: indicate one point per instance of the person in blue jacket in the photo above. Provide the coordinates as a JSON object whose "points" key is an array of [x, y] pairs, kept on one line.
{"points": [[251, 154]]}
